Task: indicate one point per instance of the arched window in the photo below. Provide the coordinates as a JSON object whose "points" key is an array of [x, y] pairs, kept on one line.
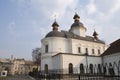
{"points": [[86, 50], [91, 68], [99, 69], [46, 48], [105, 68], [111, 69], [82, 68], [98, 51], [46, 68], [70, 68]]}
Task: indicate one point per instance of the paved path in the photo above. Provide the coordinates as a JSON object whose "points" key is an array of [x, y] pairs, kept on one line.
{"points": [[22, 77]]}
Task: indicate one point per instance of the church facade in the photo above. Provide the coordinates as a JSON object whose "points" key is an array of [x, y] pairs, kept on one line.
{"points": [[71, 51]]}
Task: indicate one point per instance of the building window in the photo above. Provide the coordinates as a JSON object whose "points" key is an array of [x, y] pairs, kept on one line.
{"points": [[91, 68], [79, 50], [99, 69], [86, 50], [93, 51], [81, 68], [46, 68], [70, 68], [98, 51], [46, 48]]}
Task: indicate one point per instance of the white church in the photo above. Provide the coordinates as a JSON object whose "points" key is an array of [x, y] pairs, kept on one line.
{"points": [[73, 51]]}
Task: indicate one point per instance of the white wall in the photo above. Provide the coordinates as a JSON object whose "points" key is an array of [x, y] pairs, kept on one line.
{"points": [[79, 31], [57, 62], [87, 44], [76, 60], [48, 61], [67, 45], [111, 59]]}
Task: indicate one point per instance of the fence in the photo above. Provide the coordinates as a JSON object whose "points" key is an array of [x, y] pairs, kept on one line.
{"points": [[77, 77], [91, 72]]}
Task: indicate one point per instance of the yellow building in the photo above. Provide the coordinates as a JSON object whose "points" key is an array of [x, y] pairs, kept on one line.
{"points": [[22, 66]]}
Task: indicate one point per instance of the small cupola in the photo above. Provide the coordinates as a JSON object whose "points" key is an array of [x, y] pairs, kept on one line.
{"points": [[55, 25], [76, 17], [55, 32], [95, 35], [77, 27]]}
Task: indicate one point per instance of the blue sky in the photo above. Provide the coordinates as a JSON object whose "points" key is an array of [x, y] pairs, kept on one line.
{"points": [[23, 23]]}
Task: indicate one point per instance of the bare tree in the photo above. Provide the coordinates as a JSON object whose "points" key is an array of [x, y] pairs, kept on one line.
{"points": [[36, 54]]}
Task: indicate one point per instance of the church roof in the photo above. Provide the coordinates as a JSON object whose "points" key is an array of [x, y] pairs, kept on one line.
{"points": [[87, 38], [66, 34], [55, 33], [114, 48]]}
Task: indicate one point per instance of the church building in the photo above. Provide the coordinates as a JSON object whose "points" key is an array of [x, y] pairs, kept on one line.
{"points": [[71, 51]]}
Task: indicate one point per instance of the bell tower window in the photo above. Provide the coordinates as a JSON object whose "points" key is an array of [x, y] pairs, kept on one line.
{"points": [[46, 48]]}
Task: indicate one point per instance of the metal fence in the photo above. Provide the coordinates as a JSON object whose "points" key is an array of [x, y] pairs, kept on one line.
{"points": [[77, 77], [91, 72]]}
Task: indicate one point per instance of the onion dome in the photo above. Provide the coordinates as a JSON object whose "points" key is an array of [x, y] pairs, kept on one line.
{"points": [[76, 16], [55, 32], [55, 25], [77, 22]]}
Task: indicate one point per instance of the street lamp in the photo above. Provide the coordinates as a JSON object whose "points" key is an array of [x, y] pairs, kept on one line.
{"points": [[86, 54]]}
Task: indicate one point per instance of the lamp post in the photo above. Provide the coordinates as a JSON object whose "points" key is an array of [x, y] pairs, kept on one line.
{"points": [[86, 54]]}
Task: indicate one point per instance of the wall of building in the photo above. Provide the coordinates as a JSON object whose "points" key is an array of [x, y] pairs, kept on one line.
{"points": [[113, 59], [77, 60], [56, 45], [69, 46], [87, 44], [48, 61], [79, 31], [57, 62]]}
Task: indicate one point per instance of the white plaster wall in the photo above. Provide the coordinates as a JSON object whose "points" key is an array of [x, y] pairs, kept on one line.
{"points": [[79, 31], [64, 45], [77, 60], [111, 59], [87, 44], [48, 61], [56, 45], [57, 62]]}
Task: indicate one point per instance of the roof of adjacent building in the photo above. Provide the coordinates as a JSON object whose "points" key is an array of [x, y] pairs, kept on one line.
{"points": [[113, 49], [66, 34]]}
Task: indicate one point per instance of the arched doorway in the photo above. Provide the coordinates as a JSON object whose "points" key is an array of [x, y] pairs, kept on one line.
{"points": [[70, 68], [99, 69], [46, 69], [91, 68], [81, 68]]}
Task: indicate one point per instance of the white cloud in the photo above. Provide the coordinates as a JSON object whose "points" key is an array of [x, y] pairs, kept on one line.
{"points": [[115, 7], [91, 7]]}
